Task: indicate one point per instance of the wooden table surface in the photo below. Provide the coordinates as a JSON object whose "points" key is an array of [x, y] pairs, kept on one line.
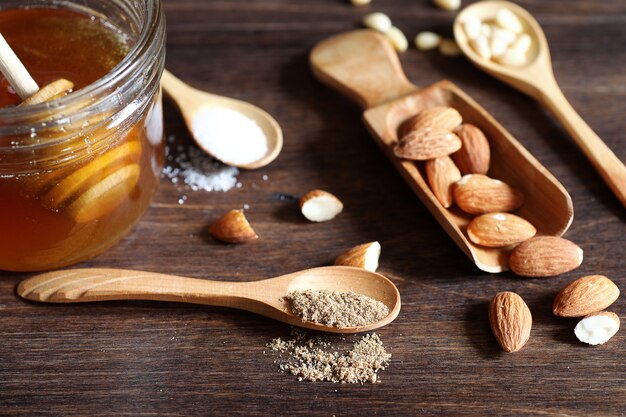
{"points": [[149, 358]]}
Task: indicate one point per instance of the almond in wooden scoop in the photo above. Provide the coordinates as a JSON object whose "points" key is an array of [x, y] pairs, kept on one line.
{"points": [[585, 296], [478, 194], [442, 174], [475, 154], [320, 206], [424, 144], [233, 227], [496, 230], [545, 256], [440, 117], [510, 321], [362, 256]]}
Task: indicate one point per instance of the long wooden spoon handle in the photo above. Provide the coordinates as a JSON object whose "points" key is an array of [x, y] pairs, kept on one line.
{"points": [[100, 284], [362, 65], [15, 72], [602, 158]]}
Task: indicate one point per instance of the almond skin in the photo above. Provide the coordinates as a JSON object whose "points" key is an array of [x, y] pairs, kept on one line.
{"points": [[475, 155], [440, 117], [442, 173], [424, 144], [496, 230], [479, 194], [545, 256], [362, 256], [233, 227], [510, 321], [585, 296]]}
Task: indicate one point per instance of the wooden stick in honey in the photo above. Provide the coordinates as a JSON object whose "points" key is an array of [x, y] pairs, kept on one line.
{"points": [[15, 72]]}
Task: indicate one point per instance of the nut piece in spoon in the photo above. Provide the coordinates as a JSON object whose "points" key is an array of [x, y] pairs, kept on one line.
{"points": [[597, 328], [233, 227], [362, 256], [320, 206]]}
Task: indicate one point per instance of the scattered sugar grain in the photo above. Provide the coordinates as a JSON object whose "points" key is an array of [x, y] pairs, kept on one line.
{"points": [[334, 308], [315, 360], [197, 171]]}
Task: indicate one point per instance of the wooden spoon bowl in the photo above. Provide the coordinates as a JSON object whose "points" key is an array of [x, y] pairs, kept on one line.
{"points": [[363, 65], [536, 78], [265, 297]]}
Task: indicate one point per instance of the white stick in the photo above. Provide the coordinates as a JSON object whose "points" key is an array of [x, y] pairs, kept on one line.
{"points": [[15, 72]]}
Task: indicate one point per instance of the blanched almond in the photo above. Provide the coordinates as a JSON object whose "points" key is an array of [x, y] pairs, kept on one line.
{"points": [[320, 206], [362, 256], [585, 296], [424, 144], [475, 154], [440, 118], [597, 328], [545, 256], [442, 174], [478, 194], [496, 230], [233, 227]]}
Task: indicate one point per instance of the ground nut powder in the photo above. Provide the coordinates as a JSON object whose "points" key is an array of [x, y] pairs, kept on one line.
{"points": [[334, 308], [314, 360]]}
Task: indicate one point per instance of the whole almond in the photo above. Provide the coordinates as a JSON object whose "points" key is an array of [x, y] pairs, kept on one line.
{"points": [[545, 256], [440, 117], [510, 320], [496, 230], [442, 174], [475, 154], [585, 296], [478, 194], [424, 144], [233, 227]]}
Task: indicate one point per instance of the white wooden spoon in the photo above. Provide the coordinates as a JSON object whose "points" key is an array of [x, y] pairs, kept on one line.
{"points": [[536, 79], [191, 100], [265, 297]]}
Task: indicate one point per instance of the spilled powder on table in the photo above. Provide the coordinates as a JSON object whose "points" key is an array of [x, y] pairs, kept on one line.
{"points": [[315, 360], [334, 308]]}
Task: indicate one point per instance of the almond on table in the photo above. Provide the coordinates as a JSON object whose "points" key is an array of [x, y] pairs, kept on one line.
{"points": [[597, 328], [320, 206], [362, 256], [584, 296], [511, 321], [233, 227], [545, 256], [497, 230], [478, 194]]}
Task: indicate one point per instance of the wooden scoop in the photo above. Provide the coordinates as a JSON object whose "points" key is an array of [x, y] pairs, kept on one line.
{"points": [[264, 297], [536, 79], [364, 66]]}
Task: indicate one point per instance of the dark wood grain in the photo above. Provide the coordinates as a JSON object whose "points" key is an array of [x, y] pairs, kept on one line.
{"points": [[146, 358]]}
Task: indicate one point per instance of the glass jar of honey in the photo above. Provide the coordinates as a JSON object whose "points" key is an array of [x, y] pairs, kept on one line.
{"points": [[76, 173]]}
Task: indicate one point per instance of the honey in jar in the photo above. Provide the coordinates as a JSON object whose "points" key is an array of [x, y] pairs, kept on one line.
{"points": [[78, 172]]}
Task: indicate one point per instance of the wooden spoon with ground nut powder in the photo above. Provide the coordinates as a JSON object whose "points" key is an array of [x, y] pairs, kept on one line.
{"points": [[265, 297]]}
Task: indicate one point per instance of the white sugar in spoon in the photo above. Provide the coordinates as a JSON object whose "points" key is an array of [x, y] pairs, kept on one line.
{"points": [[194, 103], [265, 297]]}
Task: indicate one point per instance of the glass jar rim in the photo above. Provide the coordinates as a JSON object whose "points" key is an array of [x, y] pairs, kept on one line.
{"points": [[126, 66]]}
